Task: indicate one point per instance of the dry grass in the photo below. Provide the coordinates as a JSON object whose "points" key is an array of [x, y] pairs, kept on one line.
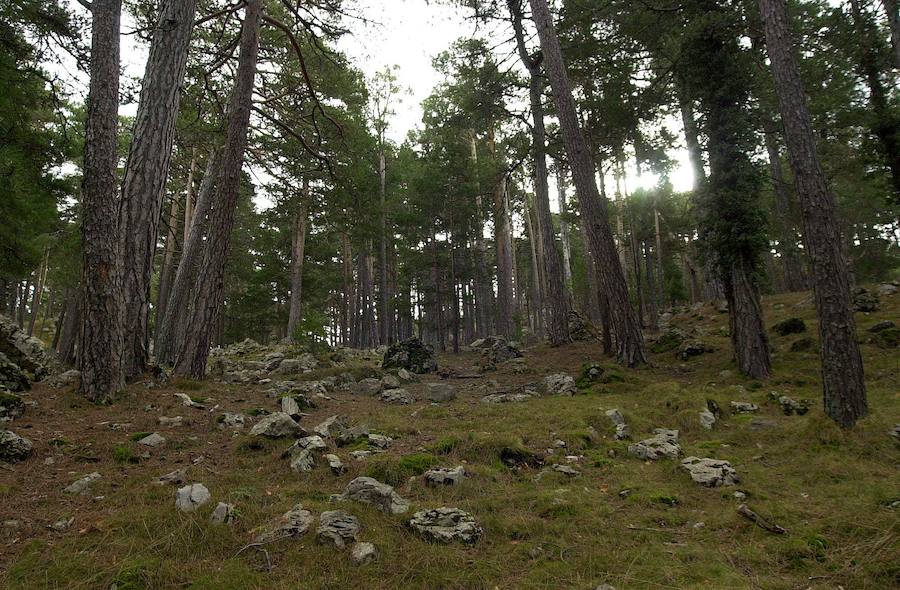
{"points": [[831, 489]]}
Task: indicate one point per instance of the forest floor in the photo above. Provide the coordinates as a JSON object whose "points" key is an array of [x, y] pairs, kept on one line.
{"points": [[835, 492]]}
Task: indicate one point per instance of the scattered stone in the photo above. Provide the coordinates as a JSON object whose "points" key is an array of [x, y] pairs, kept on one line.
{"points": [[363, 553], [311, 443], [177, 477], [229, 420], [605, 587], [791, 406], [406, 377], [223, 514], [497, 350], [440, 392], [22, 350], [337, 528], [693, 348], [740, 495], [331, 427], [622, 430], [290, 407], [62, 525], [882, 326], [277, 425], [153, 440], [580, 329], [292, 524], [590, 373], [65, 379], [760, 521], [11, 406], [663, 444], [350, 435], [303, 461], [566, 470], [558, 384], [887, 289], [81, 486], [744, 407], [334, 463], [707, 419], [789, 326], [865, 300], [391, 381], [191, 497], [710, 472], [445, 476], [361, 455], [14, 448], [187, 401], [397, 396], [367, 387], [411, 354], [506, 398], [380, 495], [12, 377], [304, 363], [445, 525], [380, 441]]}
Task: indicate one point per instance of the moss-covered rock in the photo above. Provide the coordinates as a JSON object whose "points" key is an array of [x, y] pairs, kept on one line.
{"points": [[411, 354], [789, 326], [11, 405], [669, 340]]}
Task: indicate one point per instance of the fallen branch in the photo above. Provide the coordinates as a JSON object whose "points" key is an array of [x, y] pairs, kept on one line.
{"points": [[760, 521]]}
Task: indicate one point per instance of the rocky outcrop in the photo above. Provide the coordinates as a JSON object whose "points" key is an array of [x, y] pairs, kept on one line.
{"points": [[664, 444], [337, 528], [14, 448], [710, 472], [412, 355], [277, 425], [380, 495], [446, 525], [292, 524]]}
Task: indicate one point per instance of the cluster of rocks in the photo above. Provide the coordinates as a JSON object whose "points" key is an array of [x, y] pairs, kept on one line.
{"points": [[623, 432], [710, 472], [789, 405], [14, 448], [558, 384], [885, 335], [228, 364], [663, 444], [495, 350], [411, 355]]}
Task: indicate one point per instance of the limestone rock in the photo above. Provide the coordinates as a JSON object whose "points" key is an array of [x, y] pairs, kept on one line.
{"points": [[22, 350], [229, 420], [445, 525], [865, 300], [292, 524], [177, 477], [12, 377], [391, 381], [304, 461], [445, 476], [380, 495], [14, 448], [191, 497], [791, 406], [664, 444], [565, 470], [348, 436], [187, 401], [363, 553], [411, 354], [710, 472], [152, 440], [368, 387], [397, 396], [380, 441], [81, 486], [707, 419], [277, 425], [497, 350], [744, 407], [331, 427], [558, 384], [440, 392], [337, 528], [223, 514], [506, 398], [11, 406], [335, 464], [65, 379], [291, 407], [171, 422]]}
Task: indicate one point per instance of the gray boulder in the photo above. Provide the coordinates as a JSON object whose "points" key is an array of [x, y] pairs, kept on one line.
{"points": [[331, 427], [445, 476], [363, 553], [82, 485], [380, 441], [303, 461], [14, 448], [707, 419], [152, 440], [335, 464], [292, 524], [445, 525], [65, 379], [223, 514], [710, 472], [337, 528], [229, 420], [23, 350], [11, 406], [191, 497], [558, 384], [380, 495], [744, 407], [277, 425], [12, 377], [440, 392], [411, 354], [367, 387], [397, 396], [506, 398], [664, 444]]}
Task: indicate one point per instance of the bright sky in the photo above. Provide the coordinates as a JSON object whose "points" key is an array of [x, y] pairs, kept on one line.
{"points": [[405, 33]]}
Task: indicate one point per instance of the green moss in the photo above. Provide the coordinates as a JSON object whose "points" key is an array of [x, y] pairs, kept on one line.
{"points": [[445, 445], [123, 455], [139, 435], [887, 339]]}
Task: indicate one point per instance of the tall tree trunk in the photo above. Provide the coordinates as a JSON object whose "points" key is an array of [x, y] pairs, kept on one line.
{"points": [[691, 137], [893, 18], [554, 291], [505, 297], [484, 293], [628, 331], [298, 247], [168, 264], [886, 126], [384, 295], [842, 368], [101, 342], [347, 294], [70, 331], [194, 352], [652, 293], [537, 290], [146, 171], [38, 289], [793, 270], [25, 291], [564, 224]]}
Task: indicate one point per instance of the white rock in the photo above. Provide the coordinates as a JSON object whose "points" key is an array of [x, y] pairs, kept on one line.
{"points": [[363, 553], [81, 486], [223, 514], [153, 440], [276, 425], [191, 497]]}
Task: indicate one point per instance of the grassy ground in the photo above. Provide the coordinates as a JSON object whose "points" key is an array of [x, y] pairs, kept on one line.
{"points": [[831, 490]]}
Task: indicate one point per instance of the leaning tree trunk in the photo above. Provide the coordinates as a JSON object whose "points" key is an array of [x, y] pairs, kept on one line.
{"points": [[144, 183], [191, 358], [628, 331], [39, 289], [298, 248], [842, 368], [554, 289], [101, 342]]}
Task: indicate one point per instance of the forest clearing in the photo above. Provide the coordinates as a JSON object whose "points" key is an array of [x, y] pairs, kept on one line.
{"points": [[449, 294]]}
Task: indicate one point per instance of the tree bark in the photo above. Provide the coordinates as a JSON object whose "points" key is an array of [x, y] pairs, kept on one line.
{"points": [[484, 293], [38, 290], [146, 171], [505, 296], [554, 291], [192, 357], [101, 341], [564, 225], [384, 295], [893, 18], [842, 368], [630, 342], [168, 265], [793, 270], [298, 247]]}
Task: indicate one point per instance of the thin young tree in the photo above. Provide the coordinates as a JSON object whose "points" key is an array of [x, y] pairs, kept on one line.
{"points": [[629, 340], [101, 338], [842, 368]]}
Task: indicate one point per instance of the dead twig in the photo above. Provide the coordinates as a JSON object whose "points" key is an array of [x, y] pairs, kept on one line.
{"points": [[760, 521]]}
